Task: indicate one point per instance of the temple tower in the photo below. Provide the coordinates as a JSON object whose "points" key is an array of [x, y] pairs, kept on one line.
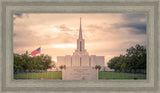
{"points": [[80, 44]]}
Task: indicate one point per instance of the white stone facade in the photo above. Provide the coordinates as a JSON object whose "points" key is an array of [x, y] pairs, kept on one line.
{"points": [[83, 60], [80, 57]]}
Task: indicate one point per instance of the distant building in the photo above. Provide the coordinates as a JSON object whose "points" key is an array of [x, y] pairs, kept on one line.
{"points": [[81, 57]]}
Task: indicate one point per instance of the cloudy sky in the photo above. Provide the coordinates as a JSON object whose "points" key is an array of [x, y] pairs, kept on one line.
{"points": [[108, 34]]}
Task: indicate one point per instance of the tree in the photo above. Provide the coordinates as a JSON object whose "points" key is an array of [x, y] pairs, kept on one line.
{"points": [[123, 66], [112, 62], [53, 64], [61, 67], [116, 62], [18, 62], [134, 59], [98, 67], [26, 62]]}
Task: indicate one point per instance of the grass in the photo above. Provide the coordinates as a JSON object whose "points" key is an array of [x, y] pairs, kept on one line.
{"points": [[44, 75], [116, 75], [58, 75]]}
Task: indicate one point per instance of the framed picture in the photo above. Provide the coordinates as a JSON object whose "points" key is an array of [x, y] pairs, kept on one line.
{"points": [[59, 57], [80, 46]]}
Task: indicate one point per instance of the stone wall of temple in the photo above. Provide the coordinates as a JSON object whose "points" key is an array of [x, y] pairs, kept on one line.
{"points": [[83, 60]]}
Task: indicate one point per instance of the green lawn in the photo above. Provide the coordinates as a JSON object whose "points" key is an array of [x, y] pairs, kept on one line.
{"points": [[58, 75], [116, 75], [44, 75]]}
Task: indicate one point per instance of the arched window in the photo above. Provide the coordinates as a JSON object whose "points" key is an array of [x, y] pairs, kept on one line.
{"points": [[80, 61], [80, 46]]}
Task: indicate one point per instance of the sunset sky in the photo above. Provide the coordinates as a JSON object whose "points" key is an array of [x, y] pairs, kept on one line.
{"points": [[108, 34]]}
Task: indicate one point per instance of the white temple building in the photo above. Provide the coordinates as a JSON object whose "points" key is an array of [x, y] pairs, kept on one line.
{"points": [[81, 57]]}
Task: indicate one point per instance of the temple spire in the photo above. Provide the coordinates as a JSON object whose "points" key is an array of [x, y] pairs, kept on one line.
{"points": [[80, 30], [80, 43]]}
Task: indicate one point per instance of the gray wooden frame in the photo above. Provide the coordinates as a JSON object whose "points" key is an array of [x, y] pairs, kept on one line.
{"points": [[149, 7]]}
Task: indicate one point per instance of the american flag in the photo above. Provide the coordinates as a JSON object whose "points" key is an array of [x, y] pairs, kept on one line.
{"points": [[37, 51]]}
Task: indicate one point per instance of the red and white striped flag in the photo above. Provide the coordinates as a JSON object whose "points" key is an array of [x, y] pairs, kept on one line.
{"points": [[35, 52]]}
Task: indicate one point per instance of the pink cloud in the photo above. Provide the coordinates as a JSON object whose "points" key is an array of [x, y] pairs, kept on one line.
{"points": [[100, 31]]}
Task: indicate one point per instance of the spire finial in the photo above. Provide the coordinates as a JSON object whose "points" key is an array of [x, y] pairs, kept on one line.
{"points": [[80, 30]]}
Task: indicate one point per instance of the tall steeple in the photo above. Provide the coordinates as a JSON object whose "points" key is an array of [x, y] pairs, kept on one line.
{"points": [[80, 30], [80, 43]]}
